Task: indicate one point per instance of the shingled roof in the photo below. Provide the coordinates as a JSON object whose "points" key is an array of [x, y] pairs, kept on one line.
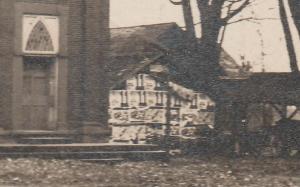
{"points": [[131, 40], [134, 48]]}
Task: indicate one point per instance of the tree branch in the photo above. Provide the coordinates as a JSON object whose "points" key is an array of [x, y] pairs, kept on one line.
{"points": [[250, 18], [229, 4], [236, 11], [176, 2], [234, 1]]}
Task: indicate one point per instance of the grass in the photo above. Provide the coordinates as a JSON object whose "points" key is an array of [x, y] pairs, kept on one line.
{"points": [[210, 172]]}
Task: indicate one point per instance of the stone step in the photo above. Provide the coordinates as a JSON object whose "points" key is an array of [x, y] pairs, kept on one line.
{"points": [[45, 140], [41, 133], [76, 147], [104, 161], [42, 137], [129, 155], [84, 151]]}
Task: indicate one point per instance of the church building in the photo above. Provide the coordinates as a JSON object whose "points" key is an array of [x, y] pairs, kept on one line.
{"points": [[52, 79]]}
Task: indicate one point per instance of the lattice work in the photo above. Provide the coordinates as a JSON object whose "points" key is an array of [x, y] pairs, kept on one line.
{"points": [[39, 39]]}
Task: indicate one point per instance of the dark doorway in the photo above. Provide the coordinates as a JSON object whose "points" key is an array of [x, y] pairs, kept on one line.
{"points": [[39, 93]]}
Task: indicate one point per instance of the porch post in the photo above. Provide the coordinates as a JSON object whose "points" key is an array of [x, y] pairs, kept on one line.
{"points": [[238, 128]]}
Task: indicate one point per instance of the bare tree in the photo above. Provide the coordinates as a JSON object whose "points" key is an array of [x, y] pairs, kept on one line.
{"points": [[214, 16]]}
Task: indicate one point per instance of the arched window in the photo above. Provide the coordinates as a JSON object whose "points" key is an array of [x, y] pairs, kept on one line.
{"points": [[39, 39]]}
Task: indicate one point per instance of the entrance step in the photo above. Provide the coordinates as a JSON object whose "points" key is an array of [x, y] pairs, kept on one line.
{"points": [[39, 133], [92, 152], [105, 161], [45, 140], [42, 137]]}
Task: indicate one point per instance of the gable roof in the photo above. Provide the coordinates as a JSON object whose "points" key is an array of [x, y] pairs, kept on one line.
{"points": [[132, 40], [135, 48]]}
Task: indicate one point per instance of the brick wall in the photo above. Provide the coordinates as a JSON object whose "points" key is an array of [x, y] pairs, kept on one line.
{"points": [[88, 39], [88, 47], [6, 58]]}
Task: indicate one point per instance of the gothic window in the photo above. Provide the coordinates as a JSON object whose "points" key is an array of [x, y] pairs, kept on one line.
{"points": [[39, 39]]}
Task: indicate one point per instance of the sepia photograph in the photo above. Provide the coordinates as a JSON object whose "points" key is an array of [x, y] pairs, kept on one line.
{"points": [[150, 93]]}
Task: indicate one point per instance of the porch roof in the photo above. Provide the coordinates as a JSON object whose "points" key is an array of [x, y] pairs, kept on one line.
{"points": [[277, 88]]}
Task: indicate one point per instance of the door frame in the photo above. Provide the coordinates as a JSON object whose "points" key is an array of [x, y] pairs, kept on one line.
{"points": [[53, 110], [61, 58], [51, 89], [17, 92]]}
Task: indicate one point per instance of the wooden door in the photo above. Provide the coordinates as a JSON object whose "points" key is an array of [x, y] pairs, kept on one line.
{"points": [[38, 93]]}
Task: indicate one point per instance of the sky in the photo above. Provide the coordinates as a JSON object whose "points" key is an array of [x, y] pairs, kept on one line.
{"points": [[250, 39]]}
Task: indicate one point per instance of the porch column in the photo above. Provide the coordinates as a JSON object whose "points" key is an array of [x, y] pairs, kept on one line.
{"points": [[237, 127]]}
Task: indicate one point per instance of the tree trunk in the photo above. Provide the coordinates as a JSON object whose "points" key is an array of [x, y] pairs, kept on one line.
{"points": [[210, 29], [295, 9], [210, 49], [288, 37], [188, 19]]}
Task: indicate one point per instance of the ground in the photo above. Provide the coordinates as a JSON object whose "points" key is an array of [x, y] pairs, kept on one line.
{"points": [[185, 172]]}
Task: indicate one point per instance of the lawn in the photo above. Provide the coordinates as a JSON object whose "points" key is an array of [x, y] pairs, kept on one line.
{"points": [[217, 171]]}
